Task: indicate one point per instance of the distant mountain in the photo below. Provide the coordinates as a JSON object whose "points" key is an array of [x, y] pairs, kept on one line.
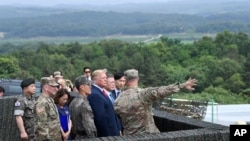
{"points": [[179, 16], [90, 23], [193, 7], [24, 11]]}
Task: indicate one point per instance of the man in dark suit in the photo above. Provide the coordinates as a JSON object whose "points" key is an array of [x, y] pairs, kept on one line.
{"points": [[106, 121], [119, 84]]}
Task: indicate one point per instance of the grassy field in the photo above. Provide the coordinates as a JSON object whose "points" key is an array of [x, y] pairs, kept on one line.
{"points": [[184, 37]]}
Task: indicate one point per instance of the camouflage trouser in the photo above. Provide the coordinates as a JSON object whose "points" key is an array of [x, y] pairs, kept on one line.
{"points": [[32, 137]]}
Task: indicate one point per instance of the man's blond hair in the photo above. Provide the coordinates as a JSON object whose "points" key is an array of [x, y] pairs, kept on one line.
{"points": [[97, 73]]}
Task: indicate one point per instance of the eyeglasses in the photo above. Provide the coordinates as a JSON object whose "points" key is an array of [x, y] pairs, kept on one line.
{"points": [[87, 71]]}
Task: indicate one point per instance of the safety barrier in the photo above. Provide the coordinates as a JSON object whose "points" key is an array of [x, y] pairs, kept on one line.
{"points": [[172, 127]]}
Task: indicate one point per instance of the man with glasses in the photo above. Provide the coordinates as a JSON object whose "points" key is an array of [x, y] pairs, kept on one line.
{"points": [[48, 124], [87, 72]]}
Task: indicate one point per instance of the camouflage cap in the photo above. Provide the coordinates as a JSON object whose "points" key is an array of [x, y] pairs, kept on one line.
{"points": [[81, 80], [49, 81], [131, 74], [57, 74]]}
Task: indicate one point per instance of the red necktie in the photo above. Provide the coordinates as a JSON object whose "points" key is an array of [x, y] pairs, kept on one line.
{"points": [[104, 93]]}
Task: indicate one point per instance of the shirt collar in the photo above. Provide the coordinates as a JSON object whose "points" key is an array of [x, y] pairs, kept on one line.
{"points": [[29, 97], [116, 91], [97, 86]]}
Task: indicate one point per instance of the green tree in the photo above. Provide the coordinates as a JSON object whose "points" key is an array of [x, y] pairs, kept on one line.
{"points": [[175, 73], [235, 83], [222, 41], [205, 46], [169, 42], [8, 67], [243, 42], [226, 68]]}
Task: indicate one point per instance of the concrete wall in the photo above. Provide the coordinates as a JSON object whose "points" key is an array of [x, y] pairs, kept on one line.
{"points": [[172, 127]]}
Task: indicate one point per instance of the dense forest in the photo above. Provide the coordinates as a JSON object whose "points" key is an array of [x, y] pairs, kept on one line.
{"points": [[220, 64]]}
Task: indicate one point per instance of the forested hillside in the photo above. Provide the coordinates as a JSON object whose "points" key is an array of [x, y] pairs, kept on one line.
{"points": [[191, 7], [221, 65], [206, 17]]}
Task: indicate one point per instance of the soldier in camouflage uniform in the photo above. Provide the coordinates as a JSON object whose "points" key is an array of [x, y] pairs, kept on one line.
{"points": [[81, 113], [23, 110], [48, 123], [134, 105]]}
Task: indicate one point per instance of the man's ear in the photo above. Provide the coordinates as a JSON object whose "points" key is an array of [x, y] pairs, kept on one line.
{"points": [[82, 86]]}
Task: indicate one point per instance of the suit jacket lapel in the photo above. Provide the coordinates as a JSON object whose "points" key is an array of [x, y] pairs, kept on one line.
{"points": [[100, 92], [113, 94]]}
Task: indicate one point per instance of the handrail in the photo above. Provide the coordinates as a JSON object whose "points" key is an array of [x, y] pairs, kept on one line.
{"points": [[184, 107]]}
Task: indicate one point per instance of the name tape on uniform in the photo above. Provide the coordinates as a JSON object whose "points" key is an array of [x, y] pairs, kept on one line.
{"points": [[239, 132]]}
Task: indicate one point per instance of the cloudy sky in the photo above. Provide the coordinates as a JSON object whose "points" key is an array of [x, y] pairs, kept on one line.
{"points": [[73, 2]]}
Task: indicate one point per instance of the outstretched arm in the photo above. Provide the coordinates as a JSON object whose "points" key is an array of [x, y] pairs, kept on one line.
{"points": [[189, 84], [152, 94]]}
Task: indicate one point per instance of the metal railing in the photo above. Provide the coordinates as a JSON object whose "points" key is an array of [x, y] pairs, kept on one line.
{"points": [[188, 108]]}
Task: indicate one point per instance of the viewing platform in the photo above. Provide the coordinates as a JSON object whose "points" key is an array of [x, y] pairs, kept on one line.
{"points": [[173, 127]]}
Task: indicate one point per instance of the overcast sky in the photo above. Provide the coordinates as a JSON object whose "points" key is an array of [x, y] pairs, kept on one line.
{"points": [[73, 2]]}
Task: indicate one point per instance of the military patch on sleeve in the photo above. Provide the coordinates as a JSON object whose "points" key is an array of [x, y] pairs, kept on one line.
{"points": [[17, 103]]}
